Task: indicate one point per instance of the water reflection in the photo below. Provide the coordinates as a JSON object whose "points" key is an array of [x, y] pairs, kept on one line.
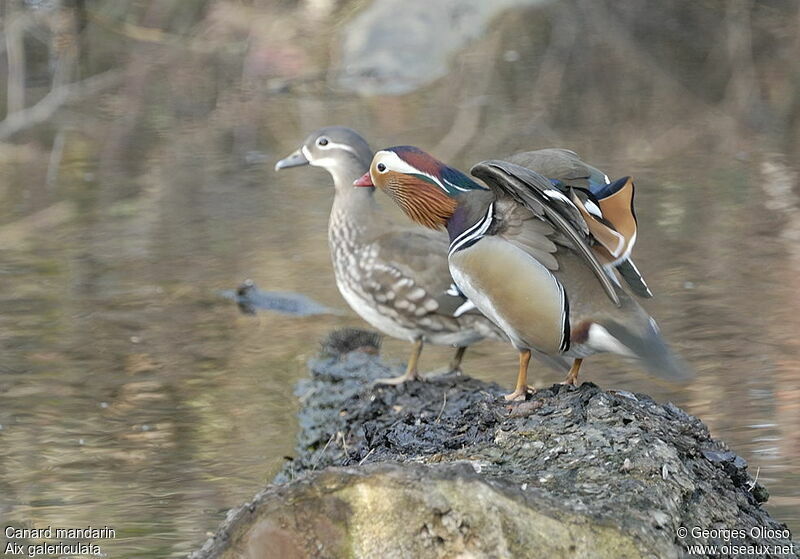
{"points": [[132, 396]]}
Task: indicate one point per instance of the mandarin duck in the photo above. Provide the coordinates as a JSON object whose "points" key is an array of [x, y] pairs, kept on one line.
{"points": [[396, 279], [527, 256]]}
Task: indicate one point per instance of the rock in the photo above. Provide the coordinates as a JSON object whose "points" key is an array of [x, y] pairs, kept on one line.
{"points": [[446, 468], [410, 510], [396, 46]]}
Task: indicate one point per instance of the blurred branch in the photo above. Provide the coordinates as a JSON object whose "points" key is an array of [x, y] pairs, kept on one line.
{"points": [[608, 26], [549, 82], [676, 138], [157, 36], [133, 31], [741, 88], [58, 96], [64, 45], [468, 115], [16, 25], [54, 163]]}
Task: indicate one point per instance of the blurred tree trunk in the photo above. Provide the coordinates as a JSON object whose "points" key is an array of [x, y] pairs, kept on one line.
{"points": [[741, 98], [15, 25]]}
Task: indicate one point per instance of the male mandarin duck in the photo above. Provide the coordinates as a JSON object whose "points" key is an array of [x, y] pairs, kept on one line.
{"points": [[395, 279], [524, 251]]}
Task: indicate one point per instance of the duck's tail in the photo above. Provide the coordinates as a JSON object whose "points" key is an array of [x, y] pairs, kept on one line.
{"points": [[648, 346]]}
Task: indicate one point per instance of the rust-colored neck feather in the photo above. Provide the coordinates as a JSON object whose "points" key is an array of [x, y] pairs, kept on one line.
{"points": [[422, 202]]}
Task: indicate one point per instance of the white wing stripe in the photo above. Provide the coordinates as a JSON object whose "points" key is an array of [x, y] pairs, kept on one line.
{"points": [[469, 230], [556, 195], [564, 345], [455, 185], [466, 306], [472, 233]]}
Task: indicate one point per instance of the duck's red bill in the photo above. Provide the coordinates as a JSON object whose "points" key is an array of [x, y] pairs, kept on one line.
{"points": [[364, 181]]}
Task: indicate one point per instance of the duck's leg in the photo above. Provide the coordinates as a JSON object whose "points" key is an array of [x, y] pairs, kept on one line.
{"points": [[521, 391], [455, 362], [411, 369], [572, 375]]}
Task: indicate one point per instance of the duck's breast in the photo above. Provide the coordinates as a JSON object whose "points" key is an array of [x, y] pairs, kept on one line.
{"points": [[516, 292]]}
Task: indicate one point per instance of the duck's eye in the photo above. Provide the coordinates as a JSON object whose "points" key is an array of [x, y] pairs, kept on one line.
{"points": [[381, 168], [322, 141]]}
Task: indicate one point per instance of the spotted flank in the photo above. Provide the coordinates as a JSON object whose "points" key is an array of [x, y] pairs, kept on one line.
{"points": [[474, 233]]}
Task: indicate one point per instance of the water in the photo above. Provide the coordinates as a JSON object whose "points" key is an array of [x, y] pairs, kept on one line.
{"points": [[133, 396]]}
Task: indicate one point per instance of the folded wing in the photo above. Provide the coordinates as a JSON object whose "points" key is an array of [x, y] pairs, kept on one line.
{"points": [[537, 194]]}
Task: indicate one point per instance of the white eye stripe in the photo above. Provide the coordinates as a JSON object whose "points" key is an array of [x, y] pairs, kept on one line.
{"points": [[336, 145], [394, 163]]}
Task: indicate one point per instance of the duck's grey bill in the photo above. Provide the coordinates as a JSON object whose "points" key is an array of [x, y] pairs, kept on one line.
{"points": [[295, 159]]}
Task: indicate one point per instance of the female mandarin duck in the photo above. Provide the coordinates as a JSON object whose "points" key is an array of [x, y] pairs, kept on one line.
{"points": [[395, 279], [527, 252]]}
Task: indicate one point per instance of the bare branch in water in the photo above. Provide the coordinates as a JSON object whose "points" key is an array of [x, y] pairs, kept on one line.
{"points": [[59, 96]]}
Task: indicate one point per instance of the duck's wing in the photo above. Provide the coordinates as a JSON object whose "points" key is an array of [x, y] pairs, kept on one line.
{"points": [[585, 185], [563, 166], [607, 206], [405, 273], [407, 270], [633, 277], [611, 208], [538, 195], [611, 218]]}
